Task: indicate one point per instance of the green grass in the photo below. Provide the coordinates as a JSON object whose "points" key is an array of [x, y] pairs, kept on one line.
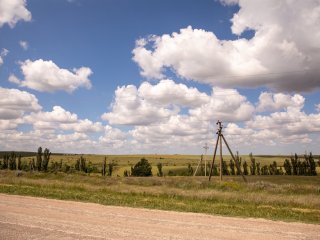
{"points": [[288, 198]]}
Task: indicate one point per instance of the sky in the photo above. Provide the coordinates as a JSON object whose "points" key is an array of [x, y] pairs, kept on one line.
{"points": [[154, 76]]}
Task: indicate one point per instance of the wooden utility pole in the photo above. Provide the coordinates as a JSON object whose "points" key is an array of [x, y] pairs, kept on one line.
{"points": [[221, 137]]}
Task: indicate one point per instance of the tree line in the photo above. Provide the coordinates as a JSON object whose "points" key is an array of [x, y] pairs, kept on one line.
{"points": [[303, 166], [12, 161]]}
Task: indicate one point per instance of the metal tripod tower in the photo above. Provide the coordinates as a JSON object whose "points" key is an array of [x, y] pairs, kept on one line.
{"points": [[219, 141]]}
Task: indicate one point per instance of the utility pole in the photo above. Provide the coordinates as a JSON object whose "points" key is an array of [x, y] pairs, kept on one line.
{"points": [[200, 161], [221, 137]]}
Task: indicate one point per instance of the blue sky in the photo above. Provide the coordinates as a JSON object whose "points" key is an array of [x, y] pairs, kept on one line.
{"points": [[154, 76]]}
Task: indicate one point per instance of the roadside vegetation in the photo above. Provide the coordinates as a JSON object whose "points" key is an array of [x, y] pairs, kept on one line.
{"points": [[286, 189]]}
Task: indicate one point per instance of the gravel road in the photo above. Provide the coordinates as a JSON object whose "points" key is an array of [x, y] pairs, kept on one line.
{"points": [[39, 218]]}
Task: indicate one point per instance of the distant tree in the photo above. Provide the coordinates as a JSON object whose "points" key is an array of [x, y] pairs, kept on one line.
{"points": [[253, 166], [19, 162], [238, 164], [273, 169], [104, 165], [258, 169], [39, 158], [12, 161], [110, 166], [160, 173], [46, 158], [265, 170], [142, 169], [5, 161], [190, 170], [245, 168], [280, 171], [225, 170], [287, 167], [294, 164], [311, 164], [91, 168], [232, 167], [81, 165], [214, 170]]}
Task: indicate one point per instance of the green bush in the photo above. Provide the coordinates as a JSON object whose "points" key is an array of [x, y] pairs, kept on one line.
{"points": [[142, 169]]}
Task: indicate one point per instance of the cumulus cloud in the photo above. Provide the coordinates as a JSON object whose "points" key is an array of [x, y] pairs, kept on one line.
{"points": [[61, 119], [61, 142], [225, 105], [57, 115], [151, 104], [167, 92], [129, 108], [24, 45], [14, 103], [113, 137], [12, 11], [46, 76], [283, 53], [4, 52], [279, 128], [84, 125], [10, 124], [279, 101]]}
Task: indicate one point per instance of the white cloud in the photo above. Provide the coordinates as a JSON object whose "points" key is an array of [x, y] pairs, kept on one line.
{"points": [[14, 103], [151, 104], [285, 32], [13, 78], [4, 52], [131, 109], [83, 126], [113, 137], [279, 101], [57, 115], [318, 107], [225, 105], [167, 92], [24, 45], [155, 113], [63, 120], [10, 124], [11, 11], [46, 76]]}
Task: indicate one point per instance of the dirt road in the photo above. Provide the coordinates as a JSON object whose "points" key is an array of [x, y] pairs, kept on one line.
{"points": [[38, 218]]}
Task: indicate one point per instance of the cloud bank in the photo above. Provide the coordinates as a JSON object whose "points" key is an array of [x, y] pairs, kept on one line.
{"points": [[282, 54]]}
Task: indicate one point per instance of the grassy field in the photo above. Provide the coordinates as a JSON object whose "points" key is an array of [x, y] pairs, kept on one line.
{"points": [[288, 198]]}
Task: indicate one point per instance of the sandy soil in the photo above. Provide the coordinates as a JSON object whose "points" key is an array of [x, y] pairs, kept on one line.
{"points": [[38, 218]]}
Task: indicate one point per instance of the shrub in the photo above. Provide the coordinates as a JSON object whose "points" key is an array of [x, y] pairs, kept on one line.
{"points": [[142, 169]]}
